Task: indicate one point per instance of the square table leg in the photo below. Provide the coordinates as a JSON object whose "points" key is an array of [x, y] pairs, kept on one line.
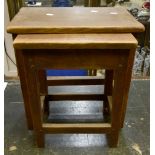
{"points": [[34, 93], [24, 86], [128, 77], [117, 103], [109, 84]]}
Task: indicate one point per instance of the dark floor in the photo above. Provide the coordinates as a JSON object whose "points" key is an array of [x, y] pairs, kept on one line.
{"points": [[134, 137]]}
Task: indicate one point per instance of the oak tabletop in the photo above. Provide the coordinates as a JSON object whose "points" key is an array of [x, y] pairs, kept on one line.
{"points": [[74, 20], [72, 41]]}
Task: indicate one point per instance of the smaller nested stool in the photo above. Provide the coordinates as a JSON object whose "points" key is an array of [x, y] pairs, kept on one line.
{"points": [[36, 53]]}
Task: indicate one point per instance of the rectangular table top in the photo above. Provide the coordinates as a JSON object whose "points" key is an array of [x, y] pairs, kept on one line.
{"points": [[74, 20], [75, 41]]}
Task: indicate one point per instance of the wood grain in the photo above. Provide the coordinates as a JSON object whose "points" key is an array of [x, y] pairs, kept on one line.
{"points": [[73, 20], [127, 84], [75, 41], [74, 80], [77, 128], [35, 106], [77, 51], [22, 72], [76, 59]]}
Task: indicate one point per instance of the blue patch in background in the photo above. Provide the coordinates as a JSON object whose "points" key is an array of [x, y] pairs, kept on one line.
{"points": [[61, 3], [57, 72]]}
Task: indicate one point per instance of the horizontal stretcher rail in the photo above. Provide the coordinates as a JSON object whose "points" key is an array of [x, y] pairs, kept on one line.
{"points": [[76, 127], [77, 97], [75, 80]]}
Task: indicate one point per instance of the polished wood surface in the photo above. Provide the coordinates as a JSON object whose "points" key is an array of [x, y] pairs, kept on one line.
{"points": [[77, 128], [111, 57], [77, 46], [74, 20], [73, 41], [25, 88], [74, 80]]}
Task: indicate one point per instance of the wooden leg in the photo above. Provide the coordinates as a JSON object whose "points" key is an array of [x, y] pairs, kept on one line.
{"points": [[108, 89], [94, 72], [40, 139], [42, 82], [34, 90], [43, 90], [24, 86], [108, 82], [127, 85], [113, 139], [46, 108], [117, 103]]}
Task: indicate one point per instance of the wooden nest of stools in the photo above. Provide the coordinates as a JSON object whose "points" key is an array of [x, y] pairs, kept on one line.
{"points": [[74, 38]]}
